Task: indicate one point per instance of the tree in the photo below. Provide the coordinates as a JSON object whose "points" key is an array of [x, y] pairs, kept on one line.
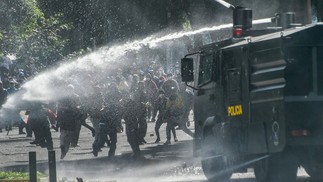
{"points": [[26, 33], [19, 18], [99, 22]]}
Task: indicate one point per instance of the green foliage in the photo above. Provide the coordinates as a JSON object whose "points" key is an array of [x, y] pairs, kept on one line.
{"points": [[19, 18], [41, 32], [14, 175], [25, 32], [43, 46], [18, 175]]}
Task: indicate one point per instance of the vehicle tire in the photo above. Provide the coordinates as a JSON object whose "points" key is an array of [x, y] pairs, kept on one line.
{"points": [[214, 167], [215, 170], [277, 168], [261, 170]]}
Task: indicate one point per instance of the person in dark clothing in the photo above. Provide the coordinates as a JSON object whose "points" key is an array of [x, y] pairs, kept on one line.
{"points": [[81, 122], [40, 125], [140, 99], [174, 106], [84, 106], [170, 85], [160, 106], [14, 117], [183, 121], [132, 125], [134, 84], [3, 99], [3, 94], [12, 87], [4, 79], [113, 96], [110, 121], [161, 81], [68, 113], [93, 106], [151, 90], [77, 131]]}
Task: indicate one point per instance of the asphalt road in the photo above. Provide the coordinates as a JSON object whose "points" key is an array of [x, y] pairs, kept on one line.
{"points": [[173, 162], [158, 159]]}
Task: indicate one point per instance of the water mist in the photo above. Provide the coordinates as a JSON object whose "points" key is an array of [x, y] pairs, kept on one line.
{"points": [[51, 84]]}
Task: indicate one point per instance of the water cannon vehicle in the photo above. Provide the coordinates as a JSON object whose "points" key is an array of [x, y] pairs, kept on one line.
{"points": [[259, 100]]}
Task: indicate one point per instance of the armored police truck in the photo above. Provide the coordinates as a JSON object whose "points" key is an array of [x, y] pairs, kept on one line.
{"points": [[259, 100]]}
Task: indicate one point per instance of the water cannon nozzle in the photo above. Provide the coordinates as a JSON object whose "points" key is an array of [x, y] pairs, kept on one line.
{"points": [[284, 20], [242, 17], [242, 21]]}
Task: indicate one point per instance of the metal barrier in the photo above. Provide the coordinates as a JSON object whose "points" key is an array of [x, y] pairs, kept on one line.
{"points": [[51, 166]]}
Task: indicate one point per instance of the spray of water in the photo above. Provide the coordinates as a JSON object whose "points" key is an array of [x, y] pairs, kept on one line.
{"points": [[227, 5], [261, 21], [134, 170], [51, 84], [238, 166]]}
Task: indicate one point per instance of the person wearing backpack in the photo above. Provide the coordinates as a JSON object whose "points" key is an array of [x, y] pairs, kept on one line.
{"points": [[173, 111]]}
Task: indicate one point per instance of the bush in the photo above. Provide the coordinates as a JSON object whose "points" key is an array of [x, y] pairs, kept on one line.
{"points": [[18, 176]]}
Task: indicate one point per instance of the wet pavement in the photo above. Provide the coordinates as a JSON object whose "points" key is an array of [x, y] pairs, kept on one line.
{"points": [[158, 159], [173, 162]]}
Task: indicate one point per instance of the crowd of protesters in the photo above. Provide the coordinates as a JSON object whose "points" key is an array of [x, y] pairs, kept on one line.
{"points": [[136, 100]]}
